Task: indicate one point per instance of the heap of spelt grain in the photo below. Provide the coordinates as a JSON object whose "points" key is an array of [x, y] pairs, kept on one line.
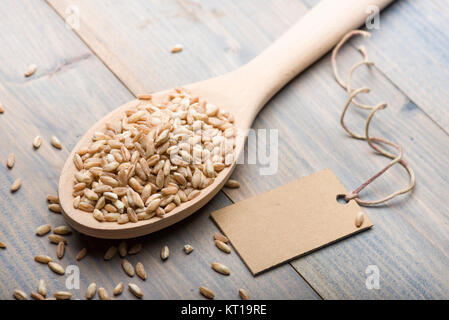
{"points": [[153, 159]]}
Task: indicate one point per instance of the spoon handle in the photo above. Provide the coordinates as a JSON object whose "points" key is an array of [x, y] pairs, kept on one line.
{"points": [[309, 39]]}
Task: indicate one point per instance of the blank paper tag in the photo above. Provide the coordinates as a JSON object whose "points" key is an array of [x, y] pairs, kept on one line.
{"points": [[289, 221]]}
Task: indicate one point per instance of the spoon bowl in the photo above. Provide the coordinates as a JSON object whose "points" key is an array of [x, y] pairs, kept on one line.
{"points": [[242, 92]]}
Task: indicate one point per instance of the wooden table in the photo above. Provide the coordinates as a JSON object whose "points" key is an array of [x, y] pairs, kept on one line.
{"points": [[122, 48]]}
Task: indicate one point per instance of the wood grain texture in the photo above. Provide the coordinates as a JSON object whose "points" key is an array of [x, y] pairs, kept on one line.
{"points": [[409, 240], [217, 37], [69, 92], [410, 48]]}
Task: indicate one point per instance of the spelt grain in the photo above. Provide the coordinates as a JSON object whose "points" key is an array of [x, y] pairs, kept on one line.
{"points": [[81, 254], [62, 230], [43, 229], [37, 296], [11, 160], [91, 290], [60, 250], [220, 237], [42, 288], [128, 268], [62, 295], [165, 252], [56, 208], [110, 253], [32, 68], [56, 238], [53, 199], [103, 294], [244, 295], [43, 259], [177, 48], [56, 268], [55, 142], [359, 219], [220, 268], [140, 271], [37, 141], [222, 246], [135, 290], [118, 289], [20, 295], [123, 249], [232, 184], [16, 185], [135, 249], [207, 292]]}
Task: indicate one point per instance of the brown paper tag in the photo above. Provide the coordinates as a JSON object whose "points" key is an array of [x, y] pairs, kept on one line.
{"points": [[289, 221]]}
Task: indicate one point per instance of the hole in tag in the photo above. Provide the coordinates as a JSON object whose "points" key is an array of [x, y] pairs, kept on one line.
{"points": [[341, 199]]}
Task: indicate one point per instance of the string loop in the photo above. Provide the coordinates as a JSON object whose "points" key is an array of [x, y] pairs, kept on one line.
{"points": [[373, 142]]}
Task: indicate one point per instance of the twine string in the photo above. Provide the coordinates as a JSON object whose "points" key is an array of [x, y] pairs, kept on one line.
{"points": [[373, 142]]}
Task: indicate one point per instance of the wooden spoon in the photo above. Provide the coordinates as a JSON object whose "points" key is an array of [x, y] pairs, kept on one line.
{"points": [[242, 92]]}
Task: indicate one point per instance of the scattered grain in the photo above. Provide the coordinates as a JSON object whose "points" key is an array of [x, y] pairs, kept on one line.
{"points": [[123, 249], [222, 246], [103, 294], [135, 290], [91, 290], [244, 295], [56, 238], [42, 288], [140, 271], [165, 252], [359, 219], [128, 268], [81, 254], [32, 68], [56, 208], [62, 295], [37, 141], [220, 268], [207, 292], [110, 253], [56, 268], [55, 142], [43, 259], [118, 289], [16, 185], [37, 296], [62, 230], [52, 199], [11, 160], [60, 250], [20, 295], [135, 249], [232, 184], [220, 237], [177, 48], [43, 230]]}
